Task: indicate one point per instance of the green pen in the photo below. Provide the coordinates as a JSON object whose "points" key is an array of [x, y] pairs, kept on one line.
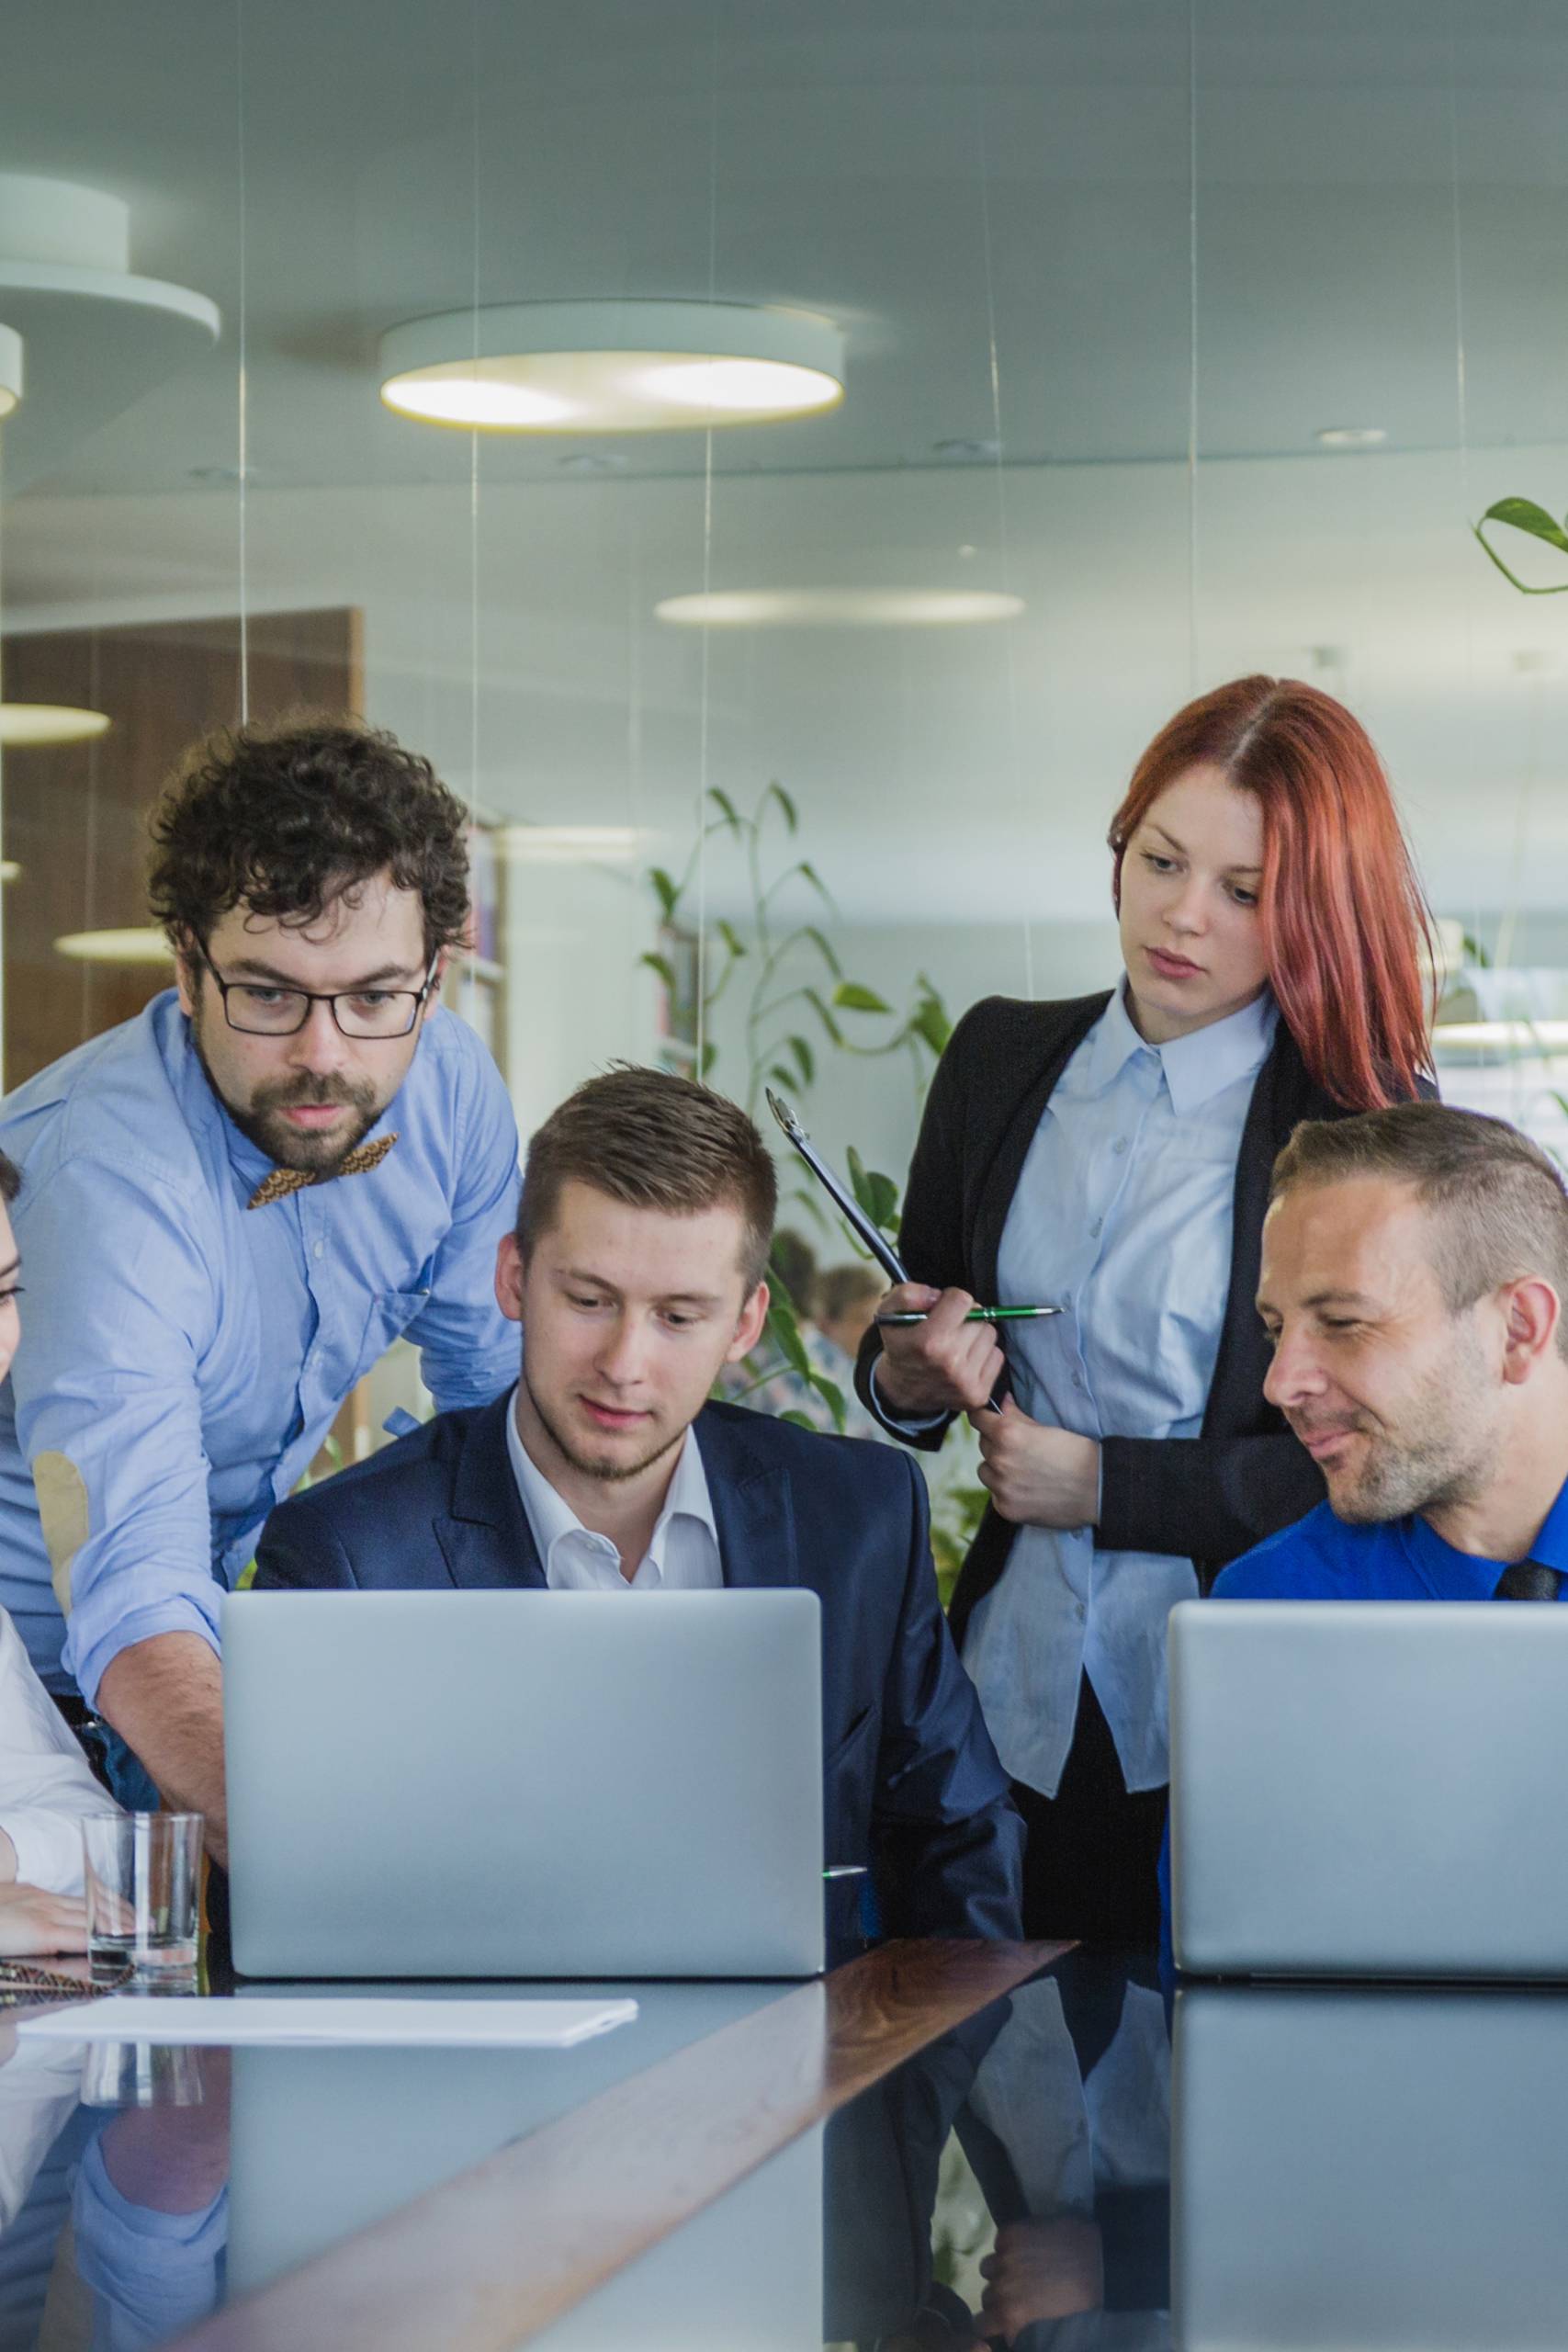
{"points": [[977, 1315]]}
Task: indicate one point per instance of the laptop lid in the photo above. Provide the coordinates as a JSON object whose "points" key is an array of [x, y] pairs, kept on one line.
{"points": [[525, 1784], [1369, 1789]]}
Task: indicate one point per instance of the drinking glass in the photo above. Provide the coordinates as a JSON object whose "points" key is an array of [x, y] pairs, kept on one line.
{"points": [[143, 1876]]}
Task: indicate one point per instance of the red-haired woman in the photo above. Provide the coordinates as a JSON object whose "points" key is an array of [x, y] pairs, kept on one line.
{"points": [[1111, 1156]]}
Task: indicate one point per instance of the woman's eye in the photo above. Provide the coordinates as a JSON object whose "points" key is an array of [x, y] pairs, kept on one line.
{"points": [[1244, 897], [1159, 865]]}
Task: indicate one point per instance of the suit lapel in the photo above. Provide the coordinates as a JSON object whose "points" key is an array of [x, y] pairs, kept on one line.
{"points": [[486, 1539], [753, 1508], [1002, 1178]]}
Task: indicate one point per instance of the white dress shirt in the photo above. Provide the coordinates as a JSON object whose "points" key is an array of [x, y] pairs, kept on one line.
{"points": [[682, 1553], [1123, 1217], [45, 1785]]}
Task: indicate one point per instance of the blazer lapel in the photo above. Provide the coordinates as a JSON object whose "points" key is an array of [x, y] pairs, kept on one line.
{"points": [[486, 1539], [753, 1509], [1001, 1181]]}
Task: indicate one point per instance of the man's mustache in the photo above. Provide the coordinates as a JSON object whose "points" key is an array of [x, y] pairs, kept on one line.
{"points": [[314, 1094]]}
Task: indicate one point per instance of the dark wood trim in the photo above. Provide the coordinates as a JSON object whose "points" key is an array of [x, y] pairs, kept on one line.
{"points": [[491, 2256]]}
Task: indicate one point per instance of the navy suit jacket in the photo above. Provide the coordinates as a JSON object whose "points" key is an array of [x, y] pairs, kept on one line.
{"points": [[911, 1783]]}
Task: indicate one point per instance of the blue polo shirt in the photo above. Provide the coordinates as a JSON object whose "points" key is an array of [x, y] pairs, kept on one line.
{"points": [[1324, 1559]]}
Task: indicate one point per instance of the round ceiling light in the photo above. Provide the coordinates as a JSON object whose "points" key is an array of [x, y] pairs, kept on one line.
{"points": [[1352, 437], [49, 722], [611, 367], [144, 945], [10, 370], [839, 608]]}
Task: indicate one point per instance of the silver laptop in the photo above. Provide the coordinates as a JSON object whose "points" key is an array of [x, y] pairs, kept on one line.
{"points": [[514, 1784], [1369, 1789]]}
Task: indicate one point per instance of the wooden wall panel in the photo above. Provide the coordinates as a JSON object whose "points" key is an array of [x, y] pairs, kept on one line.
{"points": [[73, 817]]}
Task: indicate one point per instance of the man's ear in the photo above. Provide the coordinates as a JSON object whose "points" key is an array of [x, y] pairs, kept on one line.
{"points": [[748, 1330], [188, 972], [1531, 1313], [433, 994], [509, 1278]]}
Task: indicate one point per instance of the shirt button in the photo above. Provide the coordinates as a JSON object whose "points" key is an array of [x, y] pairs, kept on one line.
{"points": [[1080, 1612], [1094, 1231], [1078, 1380], [1119, 1145], [320, 1251]]}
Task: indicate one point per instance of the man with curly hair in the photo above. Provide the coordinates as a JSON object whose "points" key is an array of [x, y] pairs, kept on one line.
{"points": [[232, 1205]]}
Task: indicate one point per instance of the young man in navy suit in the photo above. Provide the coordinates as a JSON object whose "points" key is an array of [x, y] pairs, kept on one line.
{"points": [[637, 1272]]}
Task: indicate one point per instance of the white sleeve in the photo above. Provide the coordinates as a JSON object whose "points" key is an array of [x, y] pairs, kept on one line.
{"points": [[45, 1783]]}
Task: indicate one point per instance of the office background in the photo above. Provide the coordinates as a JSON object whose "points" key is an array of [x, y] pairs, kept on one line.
{"points": [[1177, 340]]}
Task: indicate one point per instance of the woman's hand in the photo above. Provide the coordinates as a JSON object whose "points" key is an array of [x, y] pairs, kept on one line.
{"points": [[1037, 1477], [32, 1921], [942, 1365]]}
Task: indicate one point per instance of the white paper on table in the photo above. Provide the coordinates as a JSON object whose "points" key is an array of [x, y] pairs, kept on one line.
{"points": [[446, 2025]]}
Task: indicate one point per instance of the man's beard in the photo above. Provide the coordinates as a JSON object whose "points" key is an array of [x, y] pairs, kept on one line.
{"points": [[1447, 1464], [609, 1473], [262, 1121]]}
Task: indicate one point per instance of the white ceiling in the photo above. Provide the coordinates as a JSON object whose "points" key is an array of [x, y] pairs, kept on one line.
{"points": [[929, 175]]}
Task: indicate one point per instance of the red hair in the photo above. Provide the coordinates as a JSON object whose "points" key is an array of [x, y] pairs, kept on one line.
{"points": [[1344, 919]]}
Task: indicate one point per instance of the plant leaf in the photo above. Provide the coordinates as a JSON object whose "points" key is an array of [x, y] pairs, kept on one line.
{"points": [[802, 1420], [726, 808], [663, 967], [851, 996], [710, 1055], [824, 946], [805, 1059], [883, 1206], [786, 1331], [823, 1014], [731, 937], [669, 895], [809, 873], [833, 1396], [775, 791], [929, 1021], [1523, 515], [784, 1077]]}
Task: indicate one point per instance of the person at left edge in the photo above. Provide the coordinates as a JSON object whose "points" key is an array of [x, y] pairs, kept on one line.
{"points": [[637, 1271], [232, 1204]]}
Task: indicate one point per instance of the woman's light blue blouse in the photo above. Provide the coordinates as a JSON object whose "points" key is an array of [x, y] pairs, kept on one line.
{"points": [[1123, 1216]]}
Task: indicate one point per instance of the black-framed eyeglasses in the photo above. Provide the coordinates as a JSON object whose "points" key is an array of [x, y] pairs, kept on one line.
{"points": [[257, 1010]]}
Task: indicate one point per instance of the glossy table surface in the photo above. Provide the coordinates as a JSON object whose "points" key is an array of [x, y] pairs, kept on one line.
{"points": [[1080, 2162]]}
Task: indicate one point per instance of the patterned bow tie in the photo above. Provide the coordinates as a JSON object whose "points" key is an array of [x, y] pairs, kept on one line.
{"points": [[284, 1181]]}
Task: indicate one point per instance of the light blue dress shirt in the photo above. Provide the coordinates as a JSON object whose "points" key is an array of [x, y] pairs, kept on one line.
{"points": [[184, 1355], [1123, 1216]]}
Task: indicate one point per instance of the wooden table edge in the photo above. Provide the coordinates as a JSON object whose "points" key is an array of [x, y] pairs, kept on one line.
{"points": [[492, 2256]]}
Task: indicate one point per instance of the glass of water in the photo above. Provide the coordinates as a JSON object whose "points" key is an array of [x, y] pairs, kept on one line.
{"points": [[143, 1879]]}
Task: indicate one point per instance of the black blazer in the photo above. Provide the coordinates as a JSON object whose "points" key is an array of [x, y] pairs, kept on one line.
{"points": [[911, 1783], [1208, 1498]]}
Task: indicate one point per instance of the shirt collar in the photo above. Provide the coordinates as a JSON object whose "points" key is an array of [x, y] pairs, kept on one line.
{"points": [[1196, 1066], [1469, 1576], [550, 1517]]}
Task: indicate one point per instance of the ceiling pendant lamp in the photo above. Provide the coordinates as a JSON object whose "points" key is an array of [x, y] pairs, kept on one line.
{"points": [[611, 367], [36, 723]]}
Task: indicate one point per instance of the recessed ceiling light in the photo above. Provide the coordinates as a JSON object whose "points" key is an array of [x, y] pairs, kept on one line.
{"points": [[839, 608], [142, 946], [591, 461], [611, 367], [10, 370], [1351, 436], [967, 449], [570, 844], [9, 870], [49, 722]]}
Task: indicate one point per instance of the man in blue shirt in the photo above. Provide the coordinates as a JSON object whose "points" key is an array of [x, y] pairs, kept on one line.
{"points": [[232, 1205], [1414, 1278]]}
